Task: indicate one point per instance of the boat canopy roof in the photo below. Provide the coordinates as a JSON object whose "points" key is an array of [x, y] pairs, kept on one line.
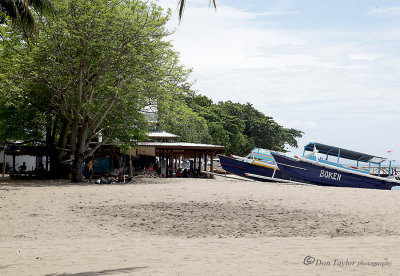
{"points": [[343, 153]]}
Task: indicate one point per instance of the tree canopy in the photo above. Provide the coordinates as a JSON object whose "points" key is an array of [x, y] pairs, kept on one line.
{"points": [[90, 76], [239, 127]]}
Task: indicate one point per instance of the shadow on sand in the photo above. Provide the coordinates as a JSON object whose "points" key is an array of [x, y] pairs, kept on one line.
{"points": [[100, 272], [7, 182]]}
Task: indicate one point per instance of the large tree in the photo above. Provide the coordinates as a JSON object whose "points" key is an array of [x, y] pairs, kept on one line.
{"points": [[175, 116], [241, 127], [97, 73]]}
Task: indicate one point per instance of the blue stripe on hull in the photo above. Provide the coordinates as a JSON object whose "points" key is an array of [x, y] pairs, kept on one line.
{"points": [[312, 173], [240, 168]]}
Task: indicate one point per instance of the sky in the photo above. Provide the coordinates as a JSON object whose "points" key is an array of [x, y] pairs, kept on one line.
{"points": [[328, 68]]}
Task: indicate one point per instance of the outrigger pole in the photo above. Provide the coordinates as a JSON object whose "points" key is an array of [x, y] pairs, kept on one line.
{"points": [[275, 179], [237, 177]]}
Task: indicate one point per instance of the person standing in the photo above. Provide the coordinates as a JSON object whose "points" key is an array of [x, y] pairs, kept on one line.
{"points": [[90, 169]]}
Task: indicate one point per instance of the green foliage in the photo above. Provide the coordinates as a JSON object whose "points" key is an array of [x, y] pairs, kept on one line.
{"points": [[239, 127], [92, 69], [176, 117], [101, 71], [21, 108]]}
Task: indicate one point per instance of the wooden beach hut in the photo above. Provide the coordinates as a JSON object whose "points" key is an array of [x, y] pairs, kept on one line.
{"points": [[171, 153]]}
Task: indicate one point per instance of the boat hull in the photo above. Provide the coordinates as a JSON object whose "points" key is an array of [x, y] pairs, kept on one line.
{"points": [[243, 168], [317, 173]]}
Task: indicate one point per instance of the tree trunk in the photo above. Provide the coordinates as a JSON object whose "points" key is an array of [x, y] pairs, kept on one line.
{"points": [[62, 139], [77, 170], [56, 152], [80, 147]]}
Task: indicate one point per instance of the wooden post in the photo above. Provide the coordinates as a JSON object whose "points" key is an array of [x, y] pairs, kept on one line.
{"points": [[205, 162], [175, 162], [200, 162], [160, 160], [130, 166], [212, 162], [171, 161], [13, 170], [166, 157], [194, 162], [4, 162], [165, 162]]}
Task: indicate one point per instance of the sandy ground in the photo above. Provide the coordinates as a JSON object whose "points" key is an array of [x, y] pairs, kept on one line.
{"points": [[196, 227]]}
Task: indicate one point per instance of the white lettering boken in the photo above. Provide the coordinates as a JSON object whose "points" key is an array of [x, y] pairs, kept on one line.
{"points": [[330, 175]]}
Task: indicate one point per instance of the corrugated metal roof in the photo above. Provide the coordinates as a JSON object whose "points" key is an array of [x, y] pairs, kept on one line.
{"points": [[180, 145], [12, 149], [162, 135]]}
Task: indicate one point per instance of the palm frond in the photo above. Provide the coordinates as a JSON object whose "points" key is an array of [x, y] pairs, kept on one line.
{"points": [[43, 7], [181, 7], [21, 15], [9, 8], [215, 5]]}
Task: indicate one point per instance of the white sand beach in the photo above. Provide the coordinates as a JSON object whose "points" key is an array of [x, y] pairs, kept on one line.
{"points": [[196, 227]]}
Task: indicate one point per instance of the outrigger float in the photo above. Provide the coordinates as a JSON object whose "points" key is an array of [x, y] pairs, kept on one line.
{"points": [[258, 165], [315, 168]]}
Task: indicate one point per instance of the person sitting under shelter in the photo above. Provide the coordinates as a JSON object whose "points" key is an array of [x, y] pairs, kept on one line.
{"points": [[108, 180], [179, 173], [22, 168]]}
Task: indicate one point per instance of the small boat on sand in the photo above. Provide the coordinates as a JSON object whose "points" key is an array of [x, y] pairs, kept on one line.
{"points": [[316, 168], [258, 163]]}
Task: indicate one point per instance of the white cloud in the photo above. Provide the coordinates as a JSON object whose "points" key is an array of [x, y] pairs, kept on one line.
{"points": [[339, 86], [309, 125], [277, 13], [365, 56], [211, 43], [395, 10]]}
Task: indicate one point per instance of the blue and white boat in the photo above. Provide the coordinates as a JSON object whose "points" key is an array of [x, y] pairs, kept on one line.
{"points": [[316, 168], [258, 165]]}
